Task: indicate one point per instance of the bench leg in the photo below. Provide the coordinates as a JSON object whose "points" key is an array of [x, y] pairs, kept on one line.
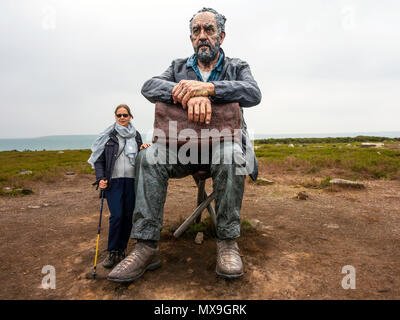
{"points": [[201, 196], [183, 227], [212, 214]]}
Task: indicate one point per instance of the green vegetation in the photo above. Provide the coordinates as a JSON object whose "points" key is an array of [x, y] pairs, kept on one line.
{"points": [[353, 162], [206, 226], [317, 184], [245, 225], [47, 166], [327, 140], [261, 181]]}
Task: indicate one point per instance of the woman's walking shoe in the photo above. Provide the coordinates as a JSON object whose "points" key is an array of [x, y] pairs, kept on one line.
{"points": [[229, 262], [142, 258], [121, 255], [111, 259]]}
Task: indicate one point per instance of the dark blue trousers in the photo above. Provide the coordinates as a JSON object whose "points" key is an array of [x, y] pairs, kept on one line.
{"points": [[121, 202]]}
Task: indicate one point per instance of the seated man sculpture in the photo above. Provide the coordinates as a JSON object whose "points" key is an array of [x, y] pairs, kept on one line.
{"points": [[197, 83]]}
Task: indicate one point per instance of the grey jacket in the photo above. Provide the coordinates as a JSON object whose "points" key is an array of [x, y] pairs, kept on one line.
{"points": [[235, 84]]}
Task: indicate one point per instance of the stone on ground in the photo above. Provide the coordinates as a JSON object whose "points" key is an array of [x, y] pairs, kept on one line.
{"points": [[346, 183], [199, 238]]}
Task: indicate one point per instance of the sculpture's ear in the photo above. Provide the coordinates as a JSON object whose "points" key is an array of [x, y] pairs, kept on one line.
{"points": [[222, 37]]}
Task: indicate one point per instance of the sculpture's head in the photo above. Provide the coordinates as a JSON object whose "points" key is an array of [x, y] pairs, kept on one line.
{"points": [[207, 32]]}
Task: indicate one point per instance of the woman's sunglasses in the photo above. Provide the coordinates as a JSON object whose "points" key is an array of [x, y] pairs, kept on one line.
{"points": [[125, 115]]}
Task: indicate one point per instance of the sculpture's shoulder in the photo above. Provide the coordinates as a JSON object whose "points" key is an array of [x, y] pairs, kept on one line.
{"points": [[235, 62], [179, 65], [179, 62]]}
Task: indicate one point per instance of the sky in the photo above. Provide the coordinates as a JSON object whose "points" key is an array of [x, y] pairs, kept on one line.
{"points": [[322, 66]]}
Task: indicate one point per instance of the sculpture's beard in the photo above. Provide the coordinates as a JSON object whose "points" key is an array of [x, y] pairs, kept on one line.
{"points": [[207, 56]]}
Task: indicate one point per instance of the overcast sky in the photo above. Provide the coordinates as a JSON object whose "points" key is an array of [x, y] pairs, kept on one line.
{"points": [[323, 66]]}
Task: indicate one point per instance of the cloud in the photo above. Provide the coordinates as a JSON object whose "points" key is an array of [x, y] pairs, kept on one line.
{"points": [[66, 65]]}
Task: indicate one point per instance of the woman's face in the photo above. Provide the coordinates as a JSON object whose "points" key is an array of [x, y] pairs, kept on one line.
{"points": [[122, 117]]}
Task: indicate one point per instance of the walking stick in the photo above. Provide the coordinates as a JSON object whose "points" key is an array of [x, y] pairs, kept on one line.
{"points": [[98, 232]]}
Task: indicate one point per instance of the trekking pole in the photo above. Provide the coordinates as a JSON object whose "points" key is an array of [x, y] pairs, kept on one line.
{"points": [[98, 233]]}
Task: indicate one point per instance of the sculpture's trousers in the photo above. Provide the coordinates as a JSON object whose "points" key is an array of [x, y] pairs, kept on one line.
{"points": [[156, 164]]}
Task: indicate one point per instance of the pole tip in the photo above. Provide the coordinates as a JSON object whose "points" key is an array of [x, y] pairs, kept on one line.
{"points": [[90, 275]]}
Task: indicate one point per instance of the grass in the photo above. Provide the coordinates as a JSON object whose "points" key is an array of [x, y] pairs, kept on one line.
{"points": [[355, 162], [357, 139], [245, 225], [317, 184], [47, 166], [206, 226]]}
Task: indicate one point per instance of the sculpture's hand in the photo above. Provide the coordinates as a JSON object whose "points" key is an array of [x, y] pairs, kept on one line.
{"points": [[187, 89], [199, 110]]}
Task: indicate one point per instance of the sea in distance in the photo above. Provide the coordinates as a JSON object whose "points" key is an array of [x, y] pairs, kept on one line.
{"points": [[64, 142]]}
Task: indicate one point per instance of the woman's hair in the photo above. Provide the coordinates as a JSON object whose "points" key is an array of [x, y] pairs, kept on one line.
{"points": [[123, 106]]}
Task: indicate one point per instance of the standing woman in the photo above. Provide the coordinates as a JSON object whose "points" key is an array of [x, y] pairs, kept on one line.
{"points": [[113, 158]]}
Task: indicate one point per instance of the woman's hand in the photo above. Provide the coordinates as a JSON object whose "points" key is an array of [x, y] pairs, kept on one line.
{"points": [[144, 146], [103, 184]]}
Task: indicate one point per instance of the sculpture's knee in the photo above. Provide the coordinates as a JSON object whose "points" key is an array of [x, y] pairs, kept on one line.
{"points": [[148, 156], [141, 159], [228, 154]]}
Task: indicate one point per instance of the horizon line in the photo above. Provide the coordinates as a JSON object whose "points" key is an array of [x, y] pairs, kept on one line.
{"points": [[267, 134]]}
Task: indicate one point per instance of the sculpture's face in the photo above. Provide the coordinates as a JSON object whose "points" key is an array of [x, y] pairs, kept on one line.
{"points": [[205, 38]]}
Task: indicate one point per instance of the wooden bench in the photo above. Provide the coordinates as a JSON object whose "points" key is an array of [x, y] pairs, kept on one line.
{"points": [[203, 202]]}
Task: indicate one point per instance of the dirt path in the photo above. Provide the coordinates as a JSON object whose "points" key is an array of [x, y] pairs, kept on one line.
{"points": [[297, 251]]}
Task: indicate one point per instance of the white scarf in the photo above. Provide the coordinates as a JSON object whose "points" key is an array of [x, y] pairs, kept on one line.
{"points": [[129, 133]]}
